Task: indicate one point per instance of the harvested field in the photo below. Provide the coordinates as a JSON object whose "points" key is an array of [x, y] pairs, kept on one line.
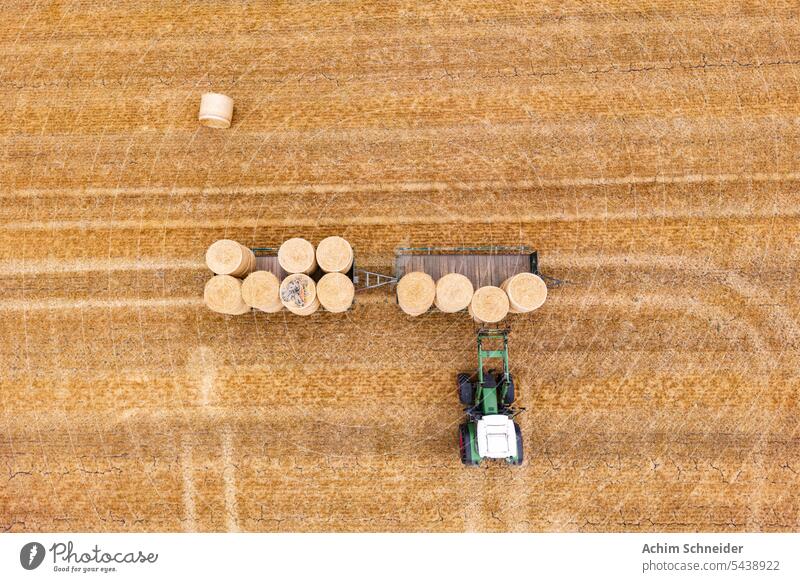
{"points": [[649, 151]]}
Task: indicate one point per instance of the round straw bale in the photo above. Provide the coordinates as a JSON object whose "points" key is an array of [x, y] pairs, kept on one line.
{"points": [[299, 294], [336, 291], [216, 110], [296, 255], [525, 291], [223, 294], [415, 293], [334, 255], [489, 304], [261, 290], [228, 257], [453, 293]]}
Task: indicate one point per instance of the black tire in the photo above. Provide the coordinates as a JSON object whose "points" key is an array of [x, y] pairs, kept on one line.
{"points": [[464, 445], [466, 389], [510, 396], [520, 455]]}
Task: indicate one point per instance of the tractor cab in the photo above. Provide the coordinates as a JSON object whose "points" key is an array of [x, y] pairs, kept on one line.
{"points": [[488, 396], [497, 437]]}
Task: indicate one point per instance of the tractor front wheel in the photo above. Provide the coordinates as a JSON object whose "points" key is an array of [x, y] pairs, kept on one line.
{"points": [[465, 445]]}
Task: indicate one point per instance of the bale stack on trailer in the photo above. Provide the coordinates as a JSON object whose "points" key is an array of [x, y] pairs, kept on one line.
{"points": [[335, 289], [489, 282], [229, 260], [295, 276]]}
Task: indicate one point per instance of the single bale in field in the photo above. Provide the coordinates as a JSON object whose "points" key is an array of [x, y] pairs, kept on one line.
{"points": [[336, 292], [489, 305], [296, 255], [262, 290], [415, 293], [334, 255], [299, 294], [453, 293], [223, 294], [228, 257], [216, 110], [525, 291]]}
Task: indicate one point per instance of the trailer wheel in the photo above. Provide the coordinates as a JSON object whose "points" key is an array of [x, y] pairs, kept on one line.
{"points": [[519, 458], [466, 389], [509, 397], [465, 445]]}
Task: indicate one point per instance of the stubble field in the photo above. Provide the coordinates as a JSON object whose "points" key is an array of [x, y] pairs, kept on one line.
{"points": [[650, 151]]}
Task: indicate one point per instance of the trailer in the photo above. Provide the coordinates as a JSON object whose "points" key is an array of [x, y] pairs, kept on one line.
{"points": [[487, 265]]}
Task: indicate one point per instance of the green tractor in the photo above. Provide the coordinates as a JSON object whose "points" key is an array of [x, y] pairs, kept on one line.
{"points": [[488, 396]]}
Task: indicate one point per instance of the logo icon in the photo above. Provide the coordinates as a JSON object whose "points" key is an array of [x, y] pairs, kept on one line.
{"points": [[31, 555]]}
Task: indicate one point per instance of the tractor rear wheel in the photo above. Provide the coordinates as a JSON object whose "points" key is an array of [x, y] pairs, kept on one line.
{"points": [[518, 459], [466, 389], [465, 445]]}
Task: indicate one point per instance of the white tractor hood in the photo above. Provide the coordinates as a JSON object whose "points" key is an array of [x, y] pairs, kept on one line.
{"points": [[497, 438]]}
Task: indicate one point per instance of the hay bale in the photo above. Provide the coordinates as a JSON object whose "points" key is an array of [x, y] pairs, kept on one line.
{"points": [[453, 293], [336, 292], [525, 291], [261, 290], [415, 293], [216, 110], [296, 255], [334, 255], [489, 305], [299, 294], [223, 294], [228, 257]]}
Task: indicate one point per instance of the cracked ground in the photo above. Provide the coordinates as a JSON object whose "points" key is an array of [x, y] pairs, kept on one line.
{"points": [[648, 150]]}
